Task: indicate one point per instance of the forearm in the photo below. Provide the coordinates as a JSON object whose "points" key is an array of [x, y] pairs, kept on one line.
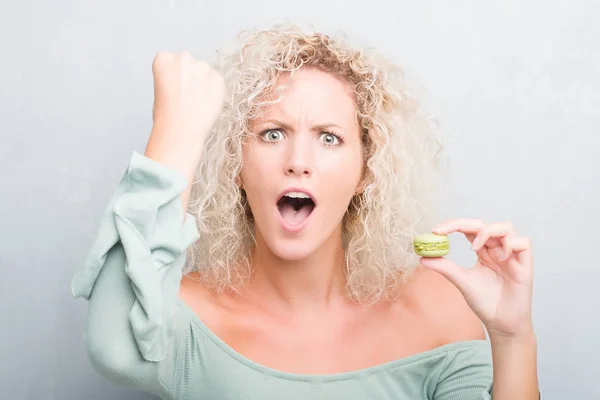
{"points": [[515, 367], [181, 157]]}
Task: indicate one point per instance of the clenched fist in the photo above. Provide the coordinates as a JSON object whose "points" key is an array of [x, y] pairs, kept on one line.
{"points": [[188, 96]]}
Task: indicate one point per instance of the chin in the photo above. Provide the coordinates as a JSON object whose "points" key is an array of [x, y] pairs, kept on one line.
{"points": [[291, 250]]}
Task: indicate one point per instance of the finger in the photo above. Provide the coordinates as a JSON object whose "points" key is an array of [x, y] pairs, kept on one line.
{"points": [[454, 273], [490, 244], [507, 248], [521, 246], [463, 225], [469, 227], [497, 230], [498, 254], [491, 259]]}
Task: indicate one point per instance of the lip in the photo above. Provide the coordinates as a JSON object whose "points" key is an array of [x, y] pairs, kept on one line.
{"points": [[295, 189], [284, 224]]}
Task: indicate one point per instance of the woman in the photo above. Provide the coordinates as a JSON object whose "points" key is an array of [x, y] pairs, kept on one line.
{"points": [[305, 166]]}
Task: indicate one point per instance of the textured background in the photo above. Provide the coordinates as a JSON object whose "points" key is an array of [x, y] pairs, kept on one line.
{"points": [[516, 84]]}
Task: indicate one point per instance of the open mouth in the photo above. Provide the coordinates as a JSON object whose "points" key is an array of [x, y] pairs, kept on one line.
{"points": [[295, 207]]}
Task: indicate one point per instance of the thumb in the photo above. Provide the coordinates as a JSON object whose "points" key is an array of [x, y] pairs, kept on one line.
{"points": [[454, 273]]}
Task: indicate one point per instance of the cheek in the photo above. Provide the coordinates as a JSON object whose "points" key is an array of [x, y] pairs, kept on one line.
{"points": [[341, 177], [258, 175], [345, 167], [252, 167]]}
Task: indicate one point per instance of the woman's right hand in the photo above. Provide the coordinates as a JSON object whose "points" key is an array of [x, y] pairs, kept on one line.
{"points": [[188, 94], [188, 97]]}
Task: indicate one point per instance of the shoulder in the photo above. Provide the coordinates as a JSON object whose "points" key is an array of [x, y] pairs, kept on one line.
{"points": [[204, 302], [443, 306], [216, 310]]}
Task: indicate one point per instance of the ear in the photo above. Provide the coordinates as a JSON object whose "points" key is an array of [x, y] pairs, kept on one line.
{"points": [[239, 182], [360, 188]]}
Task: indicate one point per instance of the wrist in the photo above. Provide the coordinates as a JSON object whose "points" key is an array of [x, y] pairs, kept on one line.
{"points": [[524, 336], [513, 345], [174, 152], [515, 365]]}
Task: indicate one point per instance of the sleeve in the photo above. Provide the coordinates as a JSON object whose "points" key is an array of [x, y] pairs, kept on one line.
{"points": [[466, 374], [132, 274]]}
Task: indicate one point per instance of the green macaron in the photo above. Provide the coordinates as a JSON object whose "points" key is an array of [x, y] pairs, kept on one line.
{"points": [[431, 245]]}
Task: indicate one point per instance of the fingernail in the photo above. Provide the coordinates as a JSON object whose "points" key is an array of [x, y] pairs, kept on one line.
{"points": [[475, 244]]}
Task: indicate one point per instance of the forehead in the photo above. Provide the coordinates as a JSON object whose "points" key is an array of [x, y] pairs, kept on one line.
{"points": [[312, 95]]}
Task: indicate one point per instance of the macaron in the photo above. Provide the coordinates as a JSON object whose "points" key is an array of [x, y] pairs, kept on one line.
{"points": [[431, 245]]}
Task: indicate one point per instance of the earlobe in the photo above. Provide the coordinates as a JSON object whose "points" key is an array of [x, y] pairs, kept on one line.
{"points": [[360, 188], [239, 182]]}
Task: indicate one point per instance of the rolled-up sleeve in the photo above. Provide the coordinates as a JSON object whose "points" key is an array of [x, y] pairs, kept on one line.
{"points": [[133, 271]]}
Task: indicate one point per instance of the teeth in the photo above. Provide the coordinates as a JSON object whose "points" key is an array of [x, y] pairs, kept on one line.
{"points": [[297, 195]]}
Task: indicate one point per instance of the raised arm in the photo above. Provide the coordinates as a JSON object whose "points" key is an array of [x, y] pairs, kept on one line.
{"points": [[188, 96], [132, 273]]}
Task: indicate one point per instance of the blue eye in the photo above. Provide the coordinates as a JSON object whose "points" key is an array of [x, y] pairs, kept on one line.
{"points": [[272, 135], [330, 139]]}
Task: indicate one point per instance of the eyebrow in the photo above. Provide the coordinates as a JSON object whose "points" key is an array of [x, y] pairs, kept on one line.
{"points": [[316, 128]]}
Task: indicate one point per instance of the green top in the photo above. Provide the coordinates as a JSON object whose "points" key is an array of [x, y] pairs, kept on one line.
{"points": [[139, 334]]}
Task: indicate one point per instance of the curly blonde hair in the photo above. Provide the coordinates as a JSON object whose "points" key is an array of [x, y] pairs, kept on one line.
{"points": [[401, 149]]}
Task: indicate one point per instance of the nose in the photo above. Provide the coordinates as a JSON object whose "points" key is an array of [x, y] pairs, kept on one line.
{"points": [[299, 158]]}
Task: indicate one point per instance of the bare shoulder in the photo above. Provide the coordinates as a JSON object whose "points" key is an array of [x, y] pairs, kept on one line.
{"points": [[191, 290], [216, 310], [199, 298], [445, 308]]}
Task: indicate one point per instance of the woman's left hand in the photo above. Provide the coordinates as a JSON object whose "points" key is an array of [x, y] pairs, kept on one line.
{"points": [[498, 288]]}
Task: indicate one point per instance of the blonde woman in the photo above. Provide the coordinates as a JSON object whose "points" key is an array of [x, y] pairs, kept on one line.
{"points": [[260, 248]]}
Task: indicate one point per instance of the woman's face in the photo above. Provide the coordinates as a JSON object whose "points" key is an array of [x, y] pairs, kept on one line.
{"points": [[303, 163]]}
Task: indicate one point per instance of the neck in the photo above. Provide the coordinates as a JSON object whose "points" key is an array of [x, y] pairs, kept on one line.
{"points": [[308, 284]]}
